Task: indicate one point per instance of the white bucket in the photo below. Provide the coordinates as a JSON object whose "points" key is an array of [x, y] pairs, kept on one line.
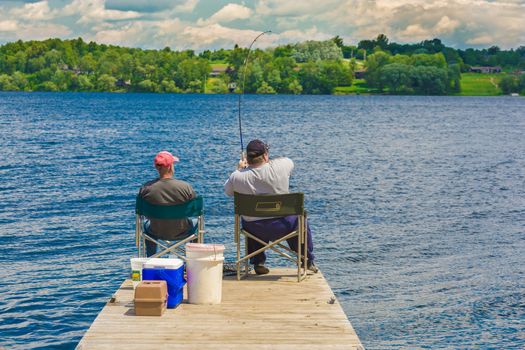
{"points": [[204, 270], [136, 270]]}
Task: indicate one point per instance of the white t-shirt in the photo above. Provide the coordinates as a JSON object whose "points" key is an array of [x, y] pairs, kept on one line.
{"points": [[270, 178]]}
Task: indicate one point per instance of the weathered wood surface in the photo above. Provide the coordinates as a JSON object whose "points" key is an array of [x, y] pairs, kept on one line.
{"points": [[261, 312]]}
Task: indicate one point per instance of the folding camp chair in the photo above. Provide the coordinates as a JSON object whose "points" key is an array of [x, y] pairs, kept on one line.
{"points": [[266, 206], [191, 209]]}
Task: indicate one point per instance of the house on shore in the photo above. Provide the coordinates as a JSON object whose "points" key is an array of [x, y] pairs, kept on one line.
{"points": [[485, 69], [219, 70], [360, 74]]}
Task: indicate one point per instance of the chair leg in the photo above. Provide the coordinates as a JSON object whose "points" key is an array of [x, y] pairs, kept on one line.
{"points": [[246, 262], [238, 244]]}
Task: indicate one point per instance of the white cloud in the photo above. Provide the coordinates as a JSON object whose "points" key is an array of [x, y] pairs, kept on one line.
{"points": [[481, 40], [37, 11], [293, 8], [230, 13], [169, 27], [205, 36], [446, 25], [127, 35], [92, 11], [191, 23], [414, 32], [8, 26], [41, 31], [295, 36], [186, 6]]}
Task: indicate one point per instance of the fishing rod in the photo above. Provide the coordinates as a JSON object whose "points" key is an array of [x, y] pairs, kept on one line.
{"points": [[242, 87]]}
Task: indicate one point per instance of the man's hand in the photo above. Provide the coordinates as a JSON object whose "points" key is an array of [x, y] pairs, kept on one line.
{"points": [[242, 164]]}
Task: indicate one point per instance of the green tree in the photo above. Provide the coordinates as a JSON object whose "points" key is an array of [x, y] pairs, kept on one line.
{"points": [[338, 41], [454, 77], [218, 86], [191, 70], [195, 86], [336, 72], [435, 60], [382, 42], [521, 84], [35, 64], [169, 86], [148, 86], [316, 77], [295, 87], [6, 83], [84, 83], [316, 51], [429, 80], [396, 77], [265, 89], [88, 63], [20, 81], [106, 83], [373, 65], [508, 84], [48, 86]]}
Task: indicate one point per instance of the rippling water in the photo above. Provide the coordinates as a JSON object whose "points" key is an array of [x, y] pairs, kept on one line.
{"points": [[417, 205]]}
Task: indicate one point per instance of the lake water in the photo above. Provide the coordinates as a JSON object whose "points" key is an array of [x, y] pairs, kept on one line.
{"points": [[417, 205]]}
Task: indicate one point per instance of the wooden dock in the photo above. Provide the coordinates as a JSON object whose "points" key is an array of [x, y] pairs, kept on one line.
{"points": [[261, 312]]}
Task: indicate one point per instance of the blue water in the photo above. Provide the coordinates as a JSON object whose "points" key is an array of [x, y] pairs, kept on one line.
{"points": [[417, 205]]}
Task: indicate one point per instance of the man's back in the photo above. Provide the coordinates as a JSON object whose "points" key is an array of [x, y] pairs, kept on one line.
{"points": [[270, 178], [167, 192]]}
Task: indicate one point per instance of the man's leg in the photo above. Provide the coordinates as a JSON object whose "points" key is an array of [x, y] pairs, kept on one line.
{"points": [[255, 228], [151, 247], [293, 242], [273, 229]]}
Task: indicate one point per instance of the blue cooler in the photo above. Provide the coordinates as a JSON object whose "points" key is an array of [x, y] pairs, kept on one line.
{"points": [[169, 270]]}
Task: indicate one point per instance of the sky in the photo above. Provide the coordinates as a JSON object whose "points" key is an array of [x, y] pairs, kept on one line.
{"points": [[214, 24]]}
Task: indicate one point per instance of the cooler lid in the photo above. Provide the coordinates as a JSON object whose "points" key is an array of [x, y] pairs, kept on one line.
{"points": [[202, 247], [163, 263]]}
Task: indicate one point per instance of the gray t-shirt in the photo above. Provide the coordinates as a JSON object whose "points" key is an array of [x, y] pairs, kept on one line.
{"points": [[270, 178], [167, 192]]}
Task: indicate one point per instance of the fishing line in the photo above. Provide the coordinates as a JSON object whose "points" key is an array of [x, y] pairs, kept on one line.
{"points": [[242, 87]]}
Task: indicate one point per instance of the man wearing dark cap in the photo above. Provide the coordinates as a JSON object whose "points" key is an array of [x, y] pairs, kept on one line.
{"points": [[165, 190], [260, 175]]}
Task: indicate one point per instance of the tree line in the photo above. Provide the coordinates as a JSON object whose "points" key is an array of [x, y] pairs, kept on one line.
{"points": [[492, 56], [311, 67]]}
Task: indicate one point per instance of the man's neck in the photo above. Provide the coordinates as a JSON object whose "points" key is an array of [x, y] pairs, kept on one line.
{"points": [[253, 166]]}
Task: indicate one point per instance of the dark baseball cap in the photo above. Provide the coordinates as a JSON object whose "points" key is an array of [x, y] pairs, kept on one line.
{"points": [[256, 148]]}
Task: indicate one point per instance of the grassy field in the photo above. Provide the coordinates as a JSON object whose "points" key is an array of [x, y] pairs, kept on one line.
{"points": [[472, 84], [218, 64], [358, 87], [476, 84]]}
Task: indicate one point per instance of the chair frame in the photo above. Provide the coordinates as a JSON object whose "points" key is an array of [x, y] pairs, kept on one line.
{"points": [[267, 206], [143, 209]]}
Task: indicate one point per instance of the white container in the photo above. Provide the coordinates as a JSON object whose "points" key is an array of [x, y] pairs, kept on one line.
{"points": [[136, 270], [204, 270]]}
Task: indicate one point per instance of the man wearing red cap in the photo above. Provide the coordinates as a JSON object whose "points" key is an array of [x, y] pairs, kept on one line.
{"points": [[165, 190], [260, 175]]}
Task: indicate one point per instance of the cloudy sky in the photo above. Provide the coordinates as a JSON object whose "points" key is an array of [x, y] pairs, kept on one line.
{"points": [[212, 24]]}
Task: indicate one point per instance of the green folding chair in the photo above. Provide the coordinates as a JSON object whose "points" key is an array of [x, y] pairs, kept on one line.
{"points": [[266, 206], [191, 209]]}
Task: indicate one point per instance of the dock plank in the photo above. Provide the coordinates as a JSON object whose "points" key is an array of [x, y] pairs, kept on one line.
{"points": [[262, 312]]}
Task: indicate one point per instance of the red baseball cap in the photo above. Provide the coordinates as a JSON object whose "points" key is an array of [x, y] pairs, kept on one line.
{"points": [[165, 159]]}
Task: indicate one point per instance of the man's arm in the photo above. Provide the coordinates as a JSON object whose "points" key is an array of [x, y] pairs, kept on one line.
{"points": [[228, 186], [284, 164]]}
